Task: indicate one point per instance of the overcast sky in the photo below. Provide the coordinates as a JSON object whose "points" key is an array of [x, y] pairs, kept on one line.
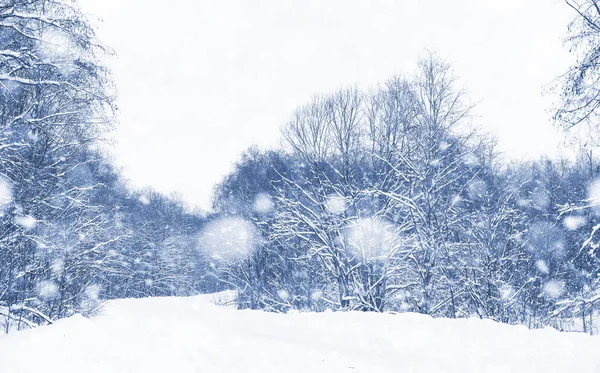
{"points": [[199, 81]]}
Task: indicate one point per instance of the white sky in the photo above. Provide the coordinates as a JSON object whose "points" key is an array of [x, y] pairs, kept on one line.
{"points": [[199, 81]]}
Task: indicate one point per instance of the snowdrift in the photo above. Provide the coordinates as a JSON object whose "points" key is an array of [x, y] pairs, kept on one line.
{"points": [[193, 334]]}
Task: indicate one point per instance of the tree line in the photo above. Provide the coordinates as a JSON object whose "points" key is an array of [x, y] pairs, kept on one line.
{"points": [[385, 199], [390, 199], [71, 233]]}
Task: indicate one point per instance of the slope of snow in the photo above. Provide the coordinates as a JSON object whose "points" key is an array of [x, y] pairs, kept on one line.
{"points": [[194, 335]]}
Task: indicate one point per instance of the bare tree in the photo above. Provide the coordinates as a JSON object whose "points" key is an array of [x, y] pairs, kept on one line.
{"points": [[580, 85]]}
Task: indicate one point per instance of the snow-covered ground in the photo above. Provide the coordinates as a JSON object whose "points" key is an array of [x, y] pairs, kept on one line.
{"points": [[194, 335]]}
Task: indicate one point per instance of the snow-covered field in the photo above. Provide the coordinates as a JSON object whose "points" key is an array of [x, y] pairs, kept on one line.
{"points": [[195, 335]]}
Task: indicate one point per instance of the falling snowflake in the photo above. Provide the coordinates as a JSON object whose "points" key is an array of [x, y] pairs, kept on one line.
{"points": [[47, 290], [506, 292], [6, 196], [57, 266], [335, 204], [542, 266], [573, 222], [540, 198], [470, 160], [26, 222], [283, 294], [477, 189], [554, 289], [263, 204], [228, 238], [371, 238], [144, 200], [93, 292], [316, 295]]}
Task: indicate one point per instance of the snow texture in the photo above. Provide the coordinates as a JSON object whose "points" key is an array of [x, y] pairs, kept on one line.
{"points": [[194, 335]]}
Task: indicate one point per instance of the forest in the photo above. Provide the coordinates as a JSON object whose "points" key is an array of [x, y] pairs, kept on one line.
{"points": [[390, 198]]}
